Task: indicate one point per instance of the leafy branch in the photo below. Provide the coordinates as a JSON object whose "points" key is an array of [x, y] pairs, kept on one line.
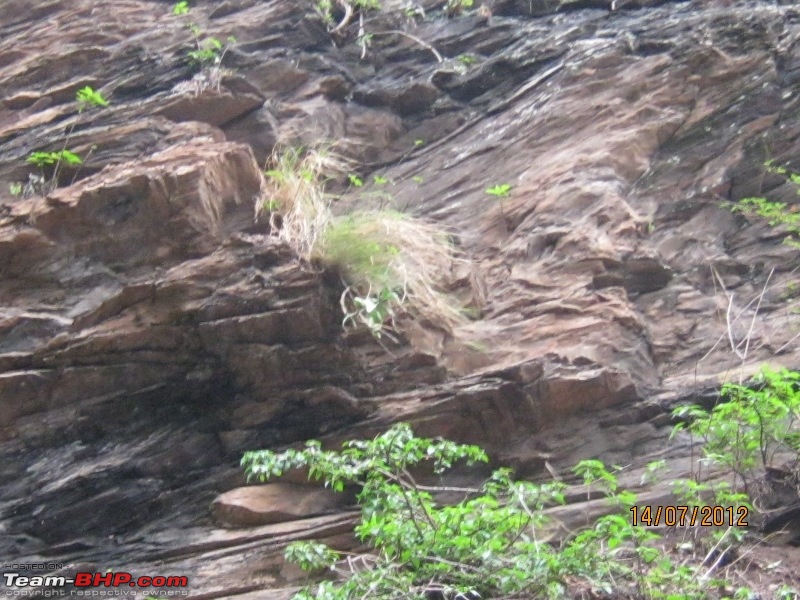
{"points": [[777, 214], [493, 543], [86, 98]]}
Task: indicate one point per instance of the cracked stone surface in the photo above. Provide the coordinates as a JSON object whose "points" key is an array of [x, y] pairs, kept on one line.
{"points": [[151, 331]]}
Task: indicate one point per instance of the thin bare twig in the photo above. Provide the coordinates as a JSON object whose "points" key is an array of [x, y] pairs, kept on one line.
{"points": [[348, 16], [736, 345], [435, 488], [787, 343], [729, 322], [755, 314], [719, 558], [361, 36], [729, 325], [425, 512], [413, 38]]}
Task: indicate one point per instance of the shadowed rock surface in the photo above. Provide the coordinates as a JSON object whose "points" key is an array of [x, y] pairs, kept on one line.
{"points": [[151, 331]]}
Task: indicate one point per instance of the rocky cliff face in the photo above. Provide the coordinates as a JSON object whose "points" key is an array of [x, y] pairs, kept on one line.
{"points": [[150, 330]]}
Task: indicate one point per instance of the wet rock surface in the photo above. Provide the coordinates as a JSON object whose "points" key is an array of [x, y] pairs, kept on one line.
{"points": [[150, 332]]}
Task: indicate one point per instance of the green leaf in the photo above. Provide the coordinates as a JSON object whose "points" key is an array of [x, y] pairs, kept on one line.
{"points": [[181, 8], [355, 180], [41, 159], [87, 96], [501, 190], [70, 157]]}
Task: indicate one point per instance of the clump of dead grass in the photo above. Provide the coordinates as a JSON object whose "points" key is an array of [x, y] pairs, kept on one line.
{"points": [[390, 262], [386, 250], [295, 200]]}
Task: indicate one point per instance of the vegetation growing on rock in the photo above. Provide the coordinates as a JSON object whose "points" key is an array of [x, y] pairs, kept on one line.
{"points": [[391, 263], [208, 53], [51, 163], [499, 542], [777, 214]]}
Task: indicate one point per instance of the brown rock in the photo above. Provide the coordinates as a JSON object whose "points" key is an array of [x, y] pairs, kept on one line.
{"points": [[253, 414], [21, 100], [280, 326], [210, 106], [415, 98], [408, 99], [135, 327], [277, 77], [335, 87], [274, 503], [152, 210], [258, 129]]}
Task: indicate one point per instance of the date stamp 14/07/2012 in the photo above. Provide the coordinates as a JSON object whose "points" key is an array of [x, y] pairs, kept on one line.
{"points": [[689, 516]]}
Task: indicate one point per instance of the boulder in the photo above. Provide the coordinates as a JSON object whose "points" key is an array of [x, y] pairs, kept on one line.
{"points": [[256, 505]]}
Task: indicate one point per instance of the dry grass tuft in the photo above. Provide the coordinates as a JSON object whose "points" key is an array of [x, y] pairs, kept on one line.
{"points": [[390, 262], [387, 250], [295, 199]]}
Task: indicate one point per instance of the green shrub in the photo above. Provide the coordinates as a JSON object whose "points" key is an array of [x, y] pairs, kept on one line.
{"points": [[88, 97], [355, 180], [501, 191], [497, 541], [44, 159], [208, 54], [210, 51], [421, 547], [776, 213], [353, 245], [741, 434], [744, 432], [493, 543]]}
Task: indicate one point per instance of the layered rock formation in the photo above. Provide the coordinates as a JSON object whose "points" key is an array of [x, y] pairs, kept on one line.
{"points": [[151, 330]]}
